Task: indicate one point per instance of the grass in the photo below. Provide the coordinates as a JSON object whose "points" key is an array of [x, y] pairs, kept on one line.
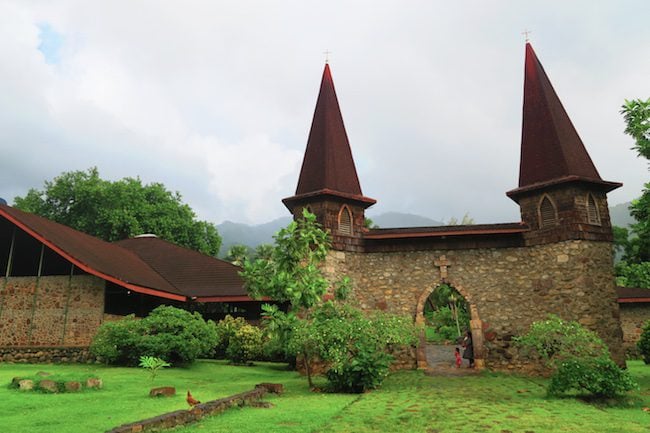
{"points": [[408, 401]]}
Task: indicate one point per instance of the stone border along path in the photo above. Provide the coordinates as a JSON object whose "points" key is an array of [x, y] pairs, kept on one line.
{"points": [[213, 407]]}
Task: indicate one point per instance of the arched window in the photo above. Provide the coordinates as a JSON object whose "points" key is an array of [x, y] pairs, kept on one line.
{"points": [[593, 217], [547, 213], [345, 221]]}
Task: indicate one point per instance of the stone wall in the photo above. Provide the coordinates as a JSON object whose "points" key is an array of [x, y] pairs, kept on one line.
{"points": [[633, 316], [50, 311], [507, 288], [45, 354]]}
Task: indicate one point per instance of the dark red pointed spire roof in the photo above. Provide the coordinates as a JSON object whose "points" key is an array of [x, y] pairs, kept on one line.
{"points": [[551, 150], [328, 166]]}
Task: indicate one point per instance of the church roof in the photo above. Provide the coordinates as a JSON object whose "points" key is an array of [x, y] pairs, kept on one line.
{"points": [[145, 265], [328, 167], [551, 149]]}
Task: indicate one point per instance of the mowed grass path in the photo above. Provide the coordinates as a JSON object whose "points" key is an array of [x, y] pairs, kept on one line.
{"points": [[407, 402]]}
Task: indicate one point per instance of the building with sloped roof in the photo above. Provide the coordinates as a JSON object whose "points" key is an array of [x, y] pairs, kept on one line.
{"points": [[60, 284], [556, 260]]}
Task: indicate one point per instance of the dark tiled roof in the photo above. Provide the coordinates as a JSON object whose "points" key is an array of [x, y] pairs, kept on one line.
{"points": [[190, 272], [328, 163], [550, 146], [632, 294], [438, 231], [131, 263]]}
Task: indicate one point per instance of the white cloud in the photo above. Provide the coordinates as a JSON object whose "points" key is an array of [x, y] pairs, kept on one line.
{"points": [[215, 99]]}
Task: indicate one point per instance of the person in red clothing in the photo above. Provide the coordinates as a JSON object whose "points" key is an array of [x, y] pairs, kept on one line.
{"points": [[459, 360]]}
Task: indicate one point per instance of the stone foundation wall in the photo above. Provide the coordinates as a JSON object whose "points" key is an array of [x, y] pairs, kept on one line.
{"points": [[633, 317], [50, 311], [508, 288], [42, 355]]}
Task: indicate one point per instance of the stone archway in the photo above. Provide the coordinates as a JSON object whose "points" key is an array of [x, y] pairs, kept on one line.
{"points": [[476, 326]]}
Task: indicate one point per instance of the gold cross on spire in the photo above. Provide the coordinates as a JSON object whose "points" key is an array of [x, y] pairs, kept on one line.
{"points": [[526, 33], [327, 55]]}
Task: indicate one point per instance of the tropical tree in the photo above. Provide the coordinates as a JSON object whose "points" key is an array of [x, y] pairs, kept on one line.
{"points": [[291, 274], [115, 210], [634, 269], [238, 254]]}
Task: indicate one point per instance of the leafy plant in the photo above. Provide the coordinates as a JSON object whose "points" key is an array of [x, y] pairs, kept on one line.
{"points": [[599, 377], [579, 359], [644, 343], [353, 344], [153, 364], [554, 340], [291, 274], [226, 329], [167, 332], [245, 345]]}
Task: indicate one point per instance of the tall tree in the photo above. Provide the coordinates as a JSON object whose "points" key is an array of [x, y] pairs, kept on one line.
{"points": [[635, 268], [115, 210], [238, 254], [291, 273]]}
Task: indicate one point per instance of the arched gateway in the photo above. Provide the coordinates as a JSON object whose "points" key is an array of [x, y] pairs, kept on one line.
{"points": [[558, 259]]}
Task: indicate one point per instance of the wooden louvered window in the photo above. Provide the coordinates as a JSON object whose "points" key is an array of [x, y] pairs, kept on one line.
{"points": [[547, 217], [592, 211], [345, 221]]}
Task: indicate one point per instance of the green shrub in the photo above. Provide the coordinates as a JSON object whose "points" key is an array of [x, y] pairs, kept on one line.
{"points": [[356, 346], [226, 330], [554, 340], [644, 343], [245, 345], [366, 370], [169, 333], [118, 342], [578, 357], [599, 377]]}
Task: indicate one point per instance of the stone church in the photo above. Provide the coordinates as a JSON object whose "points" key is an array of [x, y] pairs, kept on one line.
{"points": [[557, 259]]}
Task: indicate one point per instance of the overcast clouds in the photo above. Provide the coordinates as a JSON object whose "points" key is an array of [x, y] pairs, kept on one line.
{"points": [[214, 99]]}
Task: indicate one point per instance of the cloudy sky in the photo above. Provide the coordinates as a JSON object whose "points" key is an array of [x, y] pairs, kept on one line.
{"points": [[214, 99]]}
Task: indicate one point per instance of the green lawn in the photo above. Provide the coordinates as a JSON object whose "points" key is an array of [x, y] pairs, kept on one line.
{"points": [[407, 402]]}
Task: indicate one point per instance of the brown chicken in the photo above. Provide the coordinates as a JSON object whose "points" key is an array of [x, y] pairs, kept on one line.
{"points": [[191, 400]]}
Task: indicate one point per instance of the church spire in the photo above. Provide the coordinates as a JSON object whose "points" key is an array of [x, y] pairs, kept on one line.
{"points": [[551, 150], [328, 167]]}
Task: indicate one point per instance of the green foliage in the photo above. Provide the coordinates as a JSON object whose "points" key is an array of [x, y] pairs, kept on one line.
{"points": [[292, 273], [644, 343], [598, 377], [245, 345], [226, 330], [238, 254], [637, 118], [633, 274], [446, 313], [443, 323], [263, 252], [278, 327], [167, 332], [153, 364], [554, 340], [579, 359], [117, 210], [354, 345]]}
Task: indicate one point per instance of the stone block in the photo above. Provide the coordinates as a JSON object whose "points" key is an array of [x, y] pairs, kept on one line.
{"points": [[26, 385], [72, 386], [274, 388], [163, 391], [94, 382], [48, 385]]}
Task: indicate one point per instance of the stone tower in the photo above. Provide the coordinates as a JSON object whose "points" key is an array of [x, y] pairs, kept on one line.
{"points": [[560, 193], [328, 185]]}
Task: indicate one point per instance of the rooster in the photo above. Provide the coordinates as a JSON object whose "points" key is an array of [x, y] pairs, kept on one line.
{"points": [[191, 400]]}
